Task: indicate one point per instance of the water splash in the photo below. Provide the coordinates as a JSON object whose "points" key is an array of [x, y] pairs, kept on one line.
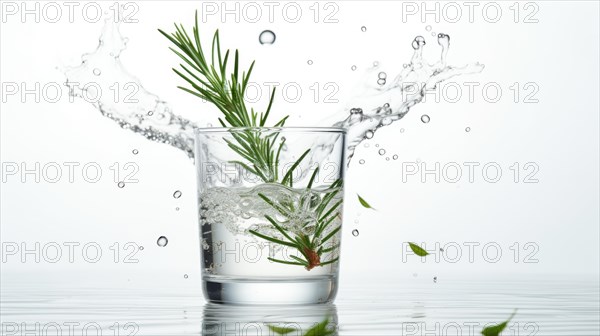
{"points": [[379, 101], [144, 112]]}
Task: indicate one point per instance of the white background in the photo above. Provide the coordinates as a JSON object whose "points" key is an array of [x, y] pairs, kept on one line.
{"points": [[558, 215]]}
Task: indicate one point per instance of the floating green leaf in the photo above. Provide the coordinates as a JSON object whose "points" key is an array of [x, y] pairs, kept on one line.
{"points": [[364, 203], [496, 329], [321, 329], [418, 250]]}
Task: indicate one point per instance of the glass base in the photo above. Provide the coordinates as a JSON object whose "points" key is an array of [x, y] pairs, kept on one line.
{"points": [[261, 291]]}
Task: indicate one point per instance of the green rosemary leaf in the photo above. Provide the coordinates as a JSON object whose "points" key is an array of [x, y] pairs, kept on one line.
{"points": [[280, 330], [288, 176], [418, 250], [331, 234], [329, 249], [278, 227], [364, 203], [323, 225], [333, 207], [329, 261], [271, 239], [312, 178], [271, 203], [496, 329], [285, 262], [303, 262]]}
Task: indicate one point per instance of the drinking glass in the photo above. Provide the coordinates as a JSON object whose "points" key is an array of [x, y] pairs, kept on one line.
{"points": [[270, 213]]}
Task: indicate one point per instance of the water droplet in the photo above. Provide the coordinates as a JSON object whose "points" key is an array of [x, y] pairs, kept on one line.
{"points": [[402, 130], [356, 111], [382, 75], [266, 37], [121, 184], [395, 157], [97, 72], [355, 233], [428, 28], [363, 28], [177, 194], [310, 62], [353, 68], [434, 279], [468, 129], [425, 118], [162, 241], [361, 161], [418, 42], [382, 151], [150, 113], [135, 152], [185, 276], [381, 81]]}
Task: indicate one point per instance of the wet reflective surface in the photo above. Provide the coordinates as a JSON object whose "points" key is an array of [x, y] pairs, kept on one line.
{"points": [[365, 306]]}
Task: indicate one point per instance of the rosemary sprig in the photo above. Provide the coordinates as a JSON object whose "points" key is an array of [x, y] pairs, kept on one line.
{"points": [[210, 81]]}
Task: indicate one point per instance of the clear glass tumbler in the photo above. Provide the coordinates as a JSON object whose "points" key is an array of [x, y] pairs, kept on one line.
{"points": [[270, 207]]}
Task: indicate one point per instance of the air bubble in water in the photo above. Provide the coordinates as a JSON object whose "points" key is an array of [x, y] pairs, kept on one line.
{"points": [[361, 161], [402, 130], [434, 279], [97, 71], [395, 157], [162, 241], [135, 152], [353, 68], [387, 159], [363, 28], [185, 276], [468, 129], [177, 209], [382, 75], [381, 81], [376, 145], [177, 194], [369, 134], [428, 28], [382, 151], [141, 248], [310, 62], [121, 184], [150, 113], [355, 233], [425, 118], [367, 145], [267, 37], [375, 64], [356, 111]]}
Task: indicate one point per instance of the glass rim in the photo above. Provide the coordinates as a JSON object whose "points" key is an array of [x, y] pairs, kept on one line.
{"points": [[308, 129]]}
